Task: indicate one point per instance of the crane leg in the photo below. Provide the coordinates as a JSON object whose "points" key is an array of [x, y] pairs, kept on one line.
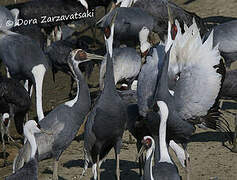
{"points": [[117, 152], [98, 167], [55, 169], [85, 165], [234, 149], [4, 149]]}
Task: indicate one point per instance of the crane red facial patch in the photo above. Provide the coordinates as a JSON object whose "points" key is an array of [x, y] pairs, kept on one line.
{"points": [[174, 31], [107, 32]]}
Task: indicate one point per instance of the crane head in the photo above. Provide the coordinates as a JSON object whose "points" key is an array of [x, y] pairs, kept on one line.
{"points": [[5, 119], [109, 35], [147, 143]]}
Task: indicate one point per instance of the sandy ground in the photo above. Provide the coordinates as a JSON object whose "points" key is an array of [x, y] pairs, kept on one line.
{"points": [[209, 159]]}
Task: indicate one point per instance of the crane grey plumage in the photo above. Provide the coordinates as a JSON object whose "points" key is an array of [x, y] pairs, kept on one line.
{"points": [[225, 35], [128, 23], [158, 10], [229, 87], [164, 168], [24, 60], [64, 121], [148, 75], [127, 65], [30, 170], [106, 122]]}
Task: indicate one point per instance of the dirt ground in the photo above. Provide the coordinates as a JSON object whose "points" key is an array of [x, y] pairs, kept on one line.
{"points": [[209, 159]]}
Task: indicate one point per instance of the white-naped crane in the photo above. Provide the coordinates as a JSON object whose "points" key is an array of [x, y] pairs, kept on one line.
{"points": [[187, 53], [164, 167], [30, 170], [24, 60], [106, 122], [64, 121]]}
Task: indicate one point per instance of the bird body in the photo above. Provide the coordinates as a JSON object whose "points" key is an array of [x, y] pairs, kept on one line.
{"points": [[106, 122], [147, 77], [158, 10], [30, 169], [64, 121], [226, 37], [127, 64], [25, 61], [15, 100], [128, 23]]}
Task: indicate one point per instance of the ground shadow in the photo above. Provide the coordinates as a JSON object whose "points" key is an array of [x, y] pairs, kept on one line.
{"points": [[127, 168], [47, 171], [211, 136], [189, 1]]}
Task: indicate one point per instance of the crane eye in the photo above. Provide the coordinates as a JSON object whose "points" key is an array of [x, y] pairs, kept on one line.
{"points": [[148, 142], [107, 32], [174, 31]]}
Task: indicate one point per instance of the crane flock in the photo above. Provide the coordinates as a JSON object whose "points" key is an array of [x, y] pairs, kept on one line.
{"points": [[171, 87]]}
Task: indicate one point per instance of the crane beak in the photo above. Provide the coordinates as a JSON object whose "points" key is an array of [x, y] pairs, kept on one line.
{"points": [[171, 19], [94, 56], [140, 153]]}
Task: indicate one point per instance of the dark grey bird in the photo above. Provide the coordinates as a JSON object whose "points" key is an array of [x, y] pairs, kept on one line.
{"points": [[30, 170], [158, 10], [165, 168], [64, 121], [226, 36], [15, 103], [128, 24], [24, 60], [127, 64], [106, 122]]}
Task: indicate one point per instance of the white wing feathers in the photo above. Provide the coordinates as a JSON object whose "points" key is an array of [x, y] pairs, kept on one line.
{"points": [[199, 84]]}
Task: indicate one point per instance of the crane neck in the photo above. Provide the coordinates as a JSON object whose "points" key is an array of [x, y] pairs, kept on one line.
{"points": [[164, 154], [83, 94], [109, 83], [148, 174], [31, 138]]}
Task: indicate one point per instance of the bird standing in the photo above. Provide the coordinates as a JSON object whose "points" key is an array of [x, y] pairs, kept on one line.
{"points": [[30, 170], [165, 167], [106, 122], [64, 121]]}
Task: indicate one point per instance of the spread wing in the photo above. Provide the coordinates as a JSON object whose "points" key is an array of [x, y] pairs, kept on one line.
{"points": [[199, 80]]}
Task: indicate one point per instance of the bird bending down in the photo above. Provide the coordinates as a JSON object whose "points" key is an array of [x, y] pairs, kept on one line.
{"points": [[106, 122], [165, 167], [64, 121], [24, 60], [30, 170]]}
